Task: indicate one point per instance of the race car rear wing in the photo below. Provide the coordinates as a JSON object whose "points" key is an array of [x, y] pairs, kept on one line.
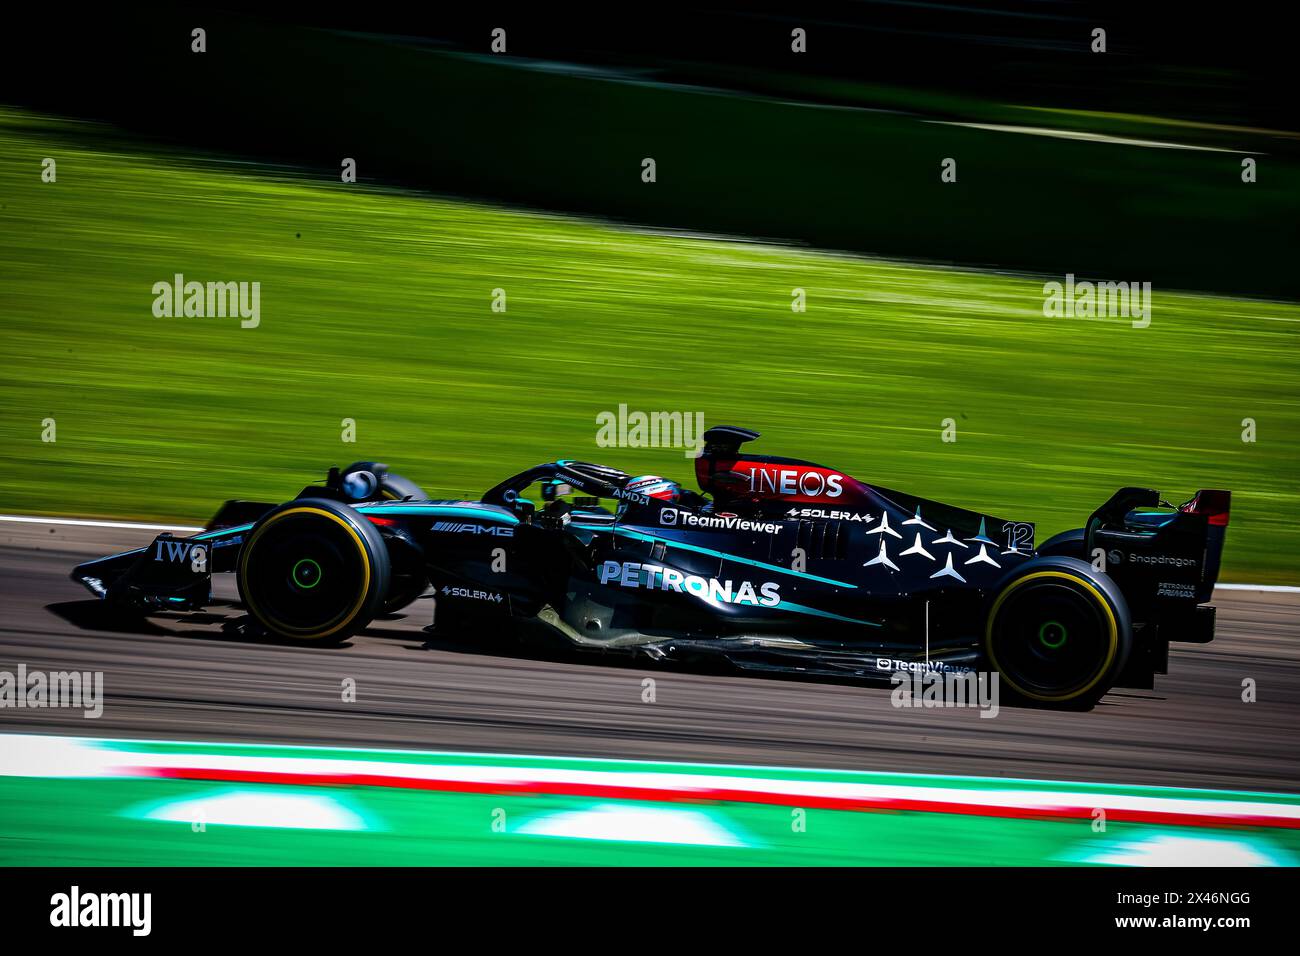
{"points": [[1158, 552]]}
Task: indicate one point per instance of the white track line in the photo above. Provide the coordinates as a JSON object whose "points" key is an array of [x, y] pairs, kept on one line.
{"points": [[27, 519], [1085, 136], [24, 519], [1279, 588]]}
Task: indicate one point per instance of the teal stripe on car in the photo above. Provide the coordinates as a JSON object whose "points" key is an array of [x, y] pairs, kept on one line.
{"points": [[220, 531], [447, 511], [405, 511], [642, 536], [801, 609]]}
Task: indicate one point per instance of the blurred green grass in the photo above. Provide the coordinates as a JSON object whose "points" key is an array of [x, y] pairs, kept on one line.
{"points": [[376, 306]]}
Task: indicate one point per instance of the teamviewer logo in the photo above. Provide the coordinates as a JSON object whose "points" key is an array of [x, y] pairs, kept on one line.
{"points": [[668, 516]]}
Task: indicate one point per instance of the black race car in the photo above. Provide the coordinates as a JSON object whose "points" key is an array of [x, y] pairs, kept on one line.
{"points": [[781, 565]]}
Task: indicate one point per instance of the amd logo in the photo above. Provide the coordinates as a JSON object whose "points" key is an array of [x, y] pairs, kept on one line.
{"points": [[631, 496]]}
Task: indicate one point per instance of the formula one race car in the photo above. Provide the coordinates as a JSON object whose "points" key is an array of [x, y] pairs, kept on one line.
{"points": [[782, 565]]}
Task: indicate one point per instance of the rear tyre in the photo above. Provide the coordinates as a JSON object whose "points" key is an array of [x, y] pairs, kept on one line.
{"points": [[1058, 633], [396, 486], [313, 570]]}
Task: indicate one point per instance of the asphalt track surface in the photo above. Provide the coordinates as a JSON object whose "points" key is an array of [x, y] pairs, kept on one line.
{"points": [[183, 677]]}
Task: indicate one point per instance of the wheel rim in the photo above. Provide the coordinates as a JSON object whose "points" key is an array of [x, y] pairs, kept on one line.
{"points": [[306, 574], [286, 563], [1052, 636]]}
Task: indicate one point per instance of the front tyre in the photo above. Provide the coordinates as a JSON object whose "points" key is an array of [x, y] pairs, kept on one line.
{"points": [[313, 570], [1058, 632]]}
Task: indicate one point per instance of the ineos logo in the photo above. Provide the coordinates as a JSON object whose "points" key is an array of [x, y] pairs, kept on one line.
{"points": [[793, 481]]}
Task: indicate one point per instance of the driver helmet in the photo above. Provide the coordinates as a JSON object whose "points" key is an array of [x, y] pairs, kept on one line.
{"points": [[653, 486], [360, 485]]}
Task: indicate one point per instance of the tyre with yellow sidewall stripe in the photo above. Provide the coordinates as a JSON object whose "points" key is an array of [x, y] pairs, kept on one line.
{"points": [[1058, 632], [313, 570]]}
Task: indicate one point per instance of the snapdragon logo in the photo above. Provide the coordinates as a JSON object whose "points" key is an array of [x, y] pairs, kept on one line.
{"points": [[942, 685], [83, 690], [1163, 560], [75, 908], [1098, 300], [633, 574], [624, 429], [211, 300]]}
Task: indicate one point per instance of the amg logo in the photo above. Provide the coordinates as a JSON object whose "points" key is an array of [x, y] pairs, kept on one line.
{"points": [[457, 527]]}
